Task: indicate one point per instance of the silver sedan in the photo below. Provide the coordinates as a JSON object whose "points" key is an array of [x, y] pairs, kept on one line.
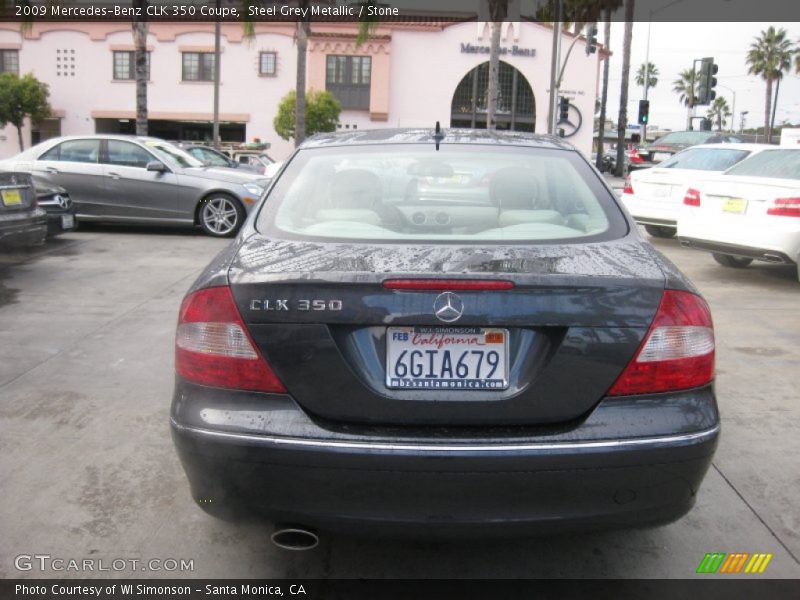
{"points": [[143, 180]]}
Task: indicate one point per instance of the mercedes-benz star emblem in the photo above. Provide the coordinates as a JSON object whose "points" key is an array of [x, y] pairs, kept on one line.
{"points": [[448, 307], [63, 201]]}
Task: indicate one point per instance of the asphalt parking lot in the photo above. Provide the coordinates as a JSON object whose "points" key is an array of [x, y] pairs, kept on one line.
{"points": [[88, 469]]}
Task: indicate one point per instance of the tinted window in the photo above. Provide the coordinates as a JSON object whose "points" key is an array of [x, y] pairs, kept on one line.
{"points": [[782, 164], [461, 193], [127, 154], [85, 151], [705, 159], [685, 137]]}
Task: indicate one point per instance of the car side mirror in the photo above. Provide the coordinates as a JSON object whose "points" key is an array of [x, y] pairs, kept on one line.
{"points": [[157, 166]]}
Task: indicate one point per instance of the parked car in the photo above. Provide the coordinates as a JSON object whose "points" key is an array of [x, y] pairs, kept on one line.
{"points": [[216, 158], [258, 161], [675, 141], [654, 196], [22, 222], [363, 359], [126, 179], [59, 207], [750, 212]]}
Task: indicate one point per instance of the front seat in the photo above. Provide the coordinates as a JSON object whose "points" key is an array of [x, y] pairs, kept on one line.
{"points": [[515, 192]]}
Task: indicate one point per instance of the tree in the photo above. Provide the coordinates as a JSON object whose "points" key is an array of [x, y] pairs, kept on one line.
{"points": [[322, 114], [22, 97], [622, 123], [686, 87], [302, 31], [719, 111], [652, 75], [139, 26], [601, 129], [498, 11], [769, 56]]}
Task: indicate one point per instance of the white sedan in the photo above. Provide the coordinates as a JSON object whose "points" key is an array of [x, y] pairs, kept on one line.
{"points": [[654, 196], [751, 212]]}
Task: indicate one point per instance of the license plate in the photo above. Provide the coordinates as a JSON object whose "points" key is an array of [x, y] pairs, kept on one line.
{"points": [[661, 191], [734, 205], [67, 221], [447, 358], [11, 197]]}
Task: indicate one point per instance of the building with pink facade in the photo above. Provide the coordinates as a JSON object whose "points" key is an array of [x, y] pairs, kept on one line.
{"points": [[405, 75]]}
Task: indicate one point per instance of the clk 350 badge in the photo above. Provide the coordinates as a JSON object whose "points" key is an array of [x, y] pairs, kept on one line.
{"points": [[302, 304]]}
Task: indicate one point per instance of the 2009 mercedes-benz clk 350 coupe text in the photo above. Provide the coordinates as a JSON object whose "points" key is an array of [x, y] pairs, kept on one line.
{"points": [[454, 332]]}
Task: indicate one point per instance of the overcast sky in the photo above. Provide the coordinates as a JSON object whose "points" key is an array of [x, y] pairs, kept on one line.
{"points": [[673, 47]]}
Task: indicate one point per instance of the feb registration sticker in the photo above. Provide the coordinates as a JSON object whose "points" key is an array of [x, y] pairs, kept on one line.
{"points": [[447, 358]]}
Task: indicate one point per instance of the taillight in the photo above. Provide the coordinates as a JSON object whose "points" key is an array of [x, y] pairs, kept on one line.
{"points": [[785, 207], [628, 189], [212, 346], [678, 351], [692, 197]]}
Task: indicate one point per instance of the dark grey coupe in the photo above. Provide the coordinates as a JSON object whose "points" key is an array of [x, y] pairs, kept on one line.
{"points": [[370, 355], [127, 179]]}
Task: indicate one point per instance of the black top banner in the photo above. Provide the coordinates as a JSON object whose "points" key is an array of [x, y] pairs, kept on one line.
{"points": [[711, 11]]}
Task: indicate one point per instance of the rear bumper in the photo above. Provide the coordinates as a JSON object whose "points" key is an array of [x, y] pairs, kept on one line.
{"points": [[765, 254], [24, 229], [598, 473], [651, 212]]}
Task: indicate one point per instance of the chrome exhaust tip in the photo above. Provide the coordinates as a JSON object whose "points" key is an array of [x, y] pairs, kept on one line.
{"points": [[294, 537]]}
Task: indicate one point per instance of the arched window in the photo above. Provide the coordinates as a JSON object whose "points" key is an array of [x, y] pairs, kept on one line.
{"points": [[516, 108]]}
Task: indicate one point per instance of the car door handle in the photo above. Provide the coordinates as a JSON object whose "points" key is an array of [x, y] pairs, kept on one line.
{"points": [[51, 170], [113, 175]]}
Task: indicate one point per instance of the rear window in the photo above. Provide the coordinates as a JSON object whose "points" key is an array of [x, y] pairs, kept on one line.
{"points": [[705, 159], [461, 193], [781, 164], [684, 137]]}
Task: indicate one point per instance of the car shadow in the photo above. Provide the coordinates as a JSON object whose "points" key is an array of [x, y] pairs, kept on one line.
{"points": [[162, 230]]}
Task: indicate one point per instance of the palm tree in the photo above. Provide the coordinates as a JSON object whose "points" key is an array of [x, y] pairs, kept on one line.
{"points": [[769, 56], [601, 129], [622, 122], [139, 26], [719, 111], [686, 87], [498, 10], [652, 75]]}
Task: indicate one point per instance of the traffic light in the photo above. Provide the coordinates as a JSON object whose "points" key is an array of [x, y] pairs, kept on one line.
{"points": [[563, 109], [644, 112], [591, 39], [705, 91]]}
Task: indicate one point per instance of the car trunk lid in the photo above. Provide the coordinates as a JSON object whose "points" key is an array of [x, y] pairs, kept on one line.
{"points": [[16, 192], [320, 314]]}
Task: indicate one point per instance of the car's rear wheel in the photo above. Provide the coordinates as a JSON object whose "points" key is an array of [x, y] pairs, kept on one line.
{"points": [[220, 215], [661, 231], [735, 262]]}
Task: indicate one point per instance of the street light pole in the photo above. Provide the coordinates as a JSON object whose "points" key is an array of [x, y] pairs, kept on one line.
{"points": [[733, 106], [647, 74]]}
